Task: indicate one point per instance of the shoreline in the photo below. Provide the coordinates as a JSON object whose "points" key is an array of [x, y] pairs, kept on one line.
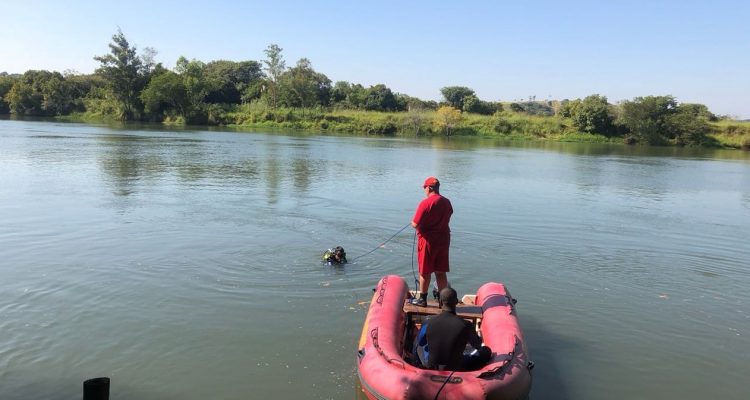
{"points": [[726, 134]]}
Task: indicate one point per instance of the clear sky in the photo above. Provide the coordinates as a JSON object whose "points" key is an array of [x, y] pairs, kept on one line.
{"points": [[697, 51]]}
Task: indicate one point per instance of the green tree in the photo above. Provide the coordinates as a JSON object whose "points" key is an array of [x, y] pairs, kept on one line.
{"points": [[645, 118], [593, 115], [57, 95], [231, 81], [180, 93], [166, 94], [357, 96], [301, 86], [339, 93], [698, 110], [6, 83], [44, 93], [253, 91], [415, 104], [380, 98], [686, 129], [454, 95], [568, 107], [196, 86], [274, 68], [125, 75], [689, 125], [472, 104], [22, 100]]}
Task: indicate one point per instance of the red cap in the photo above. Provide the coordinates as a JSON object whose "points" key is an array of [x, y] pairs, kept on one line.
{"points": [[431, 181]]}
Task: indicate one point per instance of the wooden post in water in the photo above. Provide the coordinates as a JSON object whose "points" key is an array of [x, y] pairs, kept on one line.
{"points": [[96, 389]]}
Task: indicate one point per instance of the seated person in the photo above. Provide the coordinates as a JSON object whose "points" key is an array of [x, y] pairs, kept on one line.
{"points": [[446, 337], [335, 256]]}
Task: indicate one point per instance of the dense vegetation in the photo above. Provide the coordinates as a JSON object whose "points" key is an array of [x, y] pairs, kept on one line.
{"points": [[131, 86]]}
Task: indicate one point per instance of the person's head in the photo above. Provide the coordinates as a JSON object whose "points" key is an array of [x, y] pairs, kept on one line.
{"points": [[448, 298], [431, 185], [339, 253]]}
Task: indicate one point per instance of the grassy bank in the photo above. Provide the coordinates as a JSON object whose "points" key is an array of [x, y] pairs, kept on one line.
{"points": [[508, 125], [413, 123], [733, 134]]}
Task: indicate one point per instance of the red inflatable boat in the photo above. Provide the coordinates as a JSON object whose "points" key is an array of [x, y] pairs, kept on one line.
{"points": [[385, 356]]}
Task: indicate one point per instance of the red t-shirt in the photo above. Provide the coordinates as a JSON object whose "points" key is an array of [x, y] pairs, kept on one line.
{"points": [[433, 216]]}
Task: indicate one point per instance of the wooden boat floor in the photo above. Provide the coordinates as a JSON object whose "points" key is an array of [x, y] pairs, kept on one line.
{"points": [[464, 311]]}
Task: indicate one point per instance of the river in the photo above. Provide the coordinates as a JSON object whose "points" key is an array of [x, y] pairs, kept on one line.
{"points": [[184, 264]]}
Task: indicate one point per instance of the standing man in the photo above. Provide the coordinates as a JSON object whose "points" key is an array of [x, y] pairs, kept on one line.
{"points": [[431, 222]]}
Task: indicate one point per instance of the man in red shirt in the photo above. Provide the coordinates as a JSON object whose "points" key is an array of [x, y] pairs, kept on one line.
{"points": [[431, 222]]}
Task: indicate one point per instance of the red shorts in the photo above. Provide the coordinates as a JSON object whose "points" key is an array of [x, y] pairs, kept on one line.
{"points": [[431, 257]]}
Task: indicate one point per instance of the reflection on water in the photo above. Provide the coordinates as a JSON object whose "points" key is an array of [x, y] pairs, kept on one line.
{"points": [[124, 161], [273, 174], [191, 257], [132, 161]]}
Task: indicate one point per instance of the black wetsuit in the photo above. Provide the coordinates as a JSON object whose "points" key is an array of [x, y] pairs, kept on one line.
{"points": [[331, 260], [447, 335]]}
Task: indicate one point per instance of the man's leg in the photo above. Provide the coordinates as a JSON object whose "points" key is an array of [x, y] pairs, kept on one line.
{"points": [[442, 280], [424, 282], [425, 270]]}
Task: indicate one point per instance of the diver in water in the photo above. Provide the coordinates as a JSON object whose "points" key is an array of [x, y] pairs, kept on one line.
{"points": [[336, 255]]}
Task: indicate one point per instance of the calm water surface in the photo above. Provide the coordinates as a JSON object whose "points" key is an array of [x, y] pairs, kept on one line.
{"points": [[184, 264]]}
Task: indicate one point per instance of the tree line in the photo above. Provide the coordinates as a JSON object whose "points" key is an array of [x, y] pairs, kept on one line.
{"points": [[129, 85]]}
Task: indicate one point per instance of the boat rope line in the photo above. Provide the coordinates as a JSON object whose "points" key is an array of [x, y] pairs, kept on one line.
{"points": [[413, 247], [382, 244], [376, 345], [448, 379]]}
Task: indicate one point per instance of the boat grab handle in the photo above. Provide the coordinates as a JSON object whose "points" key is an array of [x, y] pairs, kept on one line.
{"points": [[374, 336], [500, 368]]}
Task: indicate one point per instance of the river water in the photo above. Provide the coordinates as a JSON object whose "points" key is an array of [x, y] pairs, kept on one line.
{"points": [[184, 264]]}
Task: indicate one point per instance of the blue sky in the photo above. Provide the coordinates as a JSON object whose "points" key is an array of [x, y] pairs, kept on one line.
{"points": [[697, 51]]}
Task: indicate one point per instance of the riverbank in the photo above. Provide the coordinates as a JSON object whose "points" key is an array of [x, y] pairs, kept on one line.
{"points": [[507, 124], [732, 134]]}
